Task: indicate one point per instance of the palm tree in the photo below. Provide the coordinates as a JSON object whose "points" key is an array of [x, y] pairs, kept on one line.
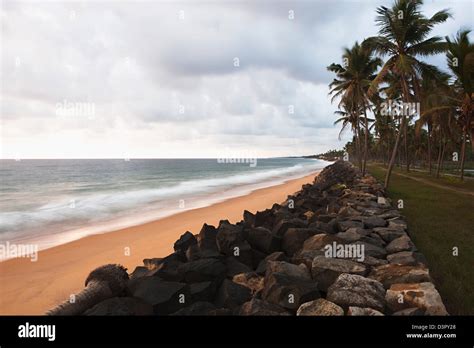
{"points": [[352, 83], [102, 283], [403, 32]]}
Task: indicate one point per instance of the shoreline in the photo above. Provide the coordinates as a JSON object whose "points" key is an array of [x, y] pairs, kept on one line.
{"points": [[33, 287]]}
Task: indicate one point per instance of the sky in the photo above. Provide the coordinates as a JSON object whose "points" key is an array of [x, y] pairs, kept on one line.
{"points": [[189, 79]]}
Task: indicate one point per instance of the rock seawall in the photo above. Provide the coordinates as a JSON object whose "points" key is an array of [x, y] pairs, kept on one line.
{"points": [[336, 247]]}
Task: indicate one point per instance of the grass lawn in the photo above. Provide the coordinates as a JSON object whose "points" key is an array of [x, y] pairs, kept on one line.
{"points": [[439, 220]]}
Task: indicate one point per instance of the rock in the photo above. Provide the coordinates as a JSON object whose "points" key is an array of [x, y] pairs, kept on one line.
{"points": [[393, 273], [231, 294], [319, 241], [355, 290], [374, 239], [195, 252], [409, 258], [374, 221], [388, 234], [372, 250], [251, 280], [244, 253], [197, 308], [371, 261], [207, 237], [294, 238], [319, 307], [167, 268], [203, 291], [257, 257], [234, 267], [249, 218], [264, 218], [409, 312], [164, 296], [153, 263], [345, 225], [261, 308], [229, 236], [350, 235], [139, 272], [358, 311], [203, 270], [287, 291], [325, 227], [284, 224], [288, 269], [121, 306], [420, 295], [326, 270], [306, 257], [402, 243], [276, 256], [262, 239], [184, 242], [397, 224]]}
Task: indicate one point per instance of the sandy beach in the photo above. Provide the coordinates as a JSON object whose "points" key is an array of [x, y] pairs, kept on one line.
{"points": [[33, 287]]}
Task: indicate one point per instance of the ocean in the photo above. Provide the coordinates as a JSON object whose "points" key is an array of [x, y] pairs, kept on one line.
{"points": [[51, 202]]}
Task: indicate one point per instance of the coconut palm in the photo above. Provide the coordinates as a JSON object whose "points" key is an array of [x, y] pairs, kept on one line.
{"points": [[403, 37], [102, 283], [351, 85]]}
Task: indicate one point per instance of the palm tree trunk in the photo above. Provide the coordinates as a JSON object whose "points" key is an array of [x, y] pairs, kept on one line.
{"points": [[359, 157], [429, 148], [440, 158], [463, 152], [405, 145], [366, 141], [394, 154]]}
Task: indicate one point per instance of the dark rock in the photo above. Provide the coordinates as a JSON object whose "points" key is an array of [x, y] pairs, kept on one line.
{"points": [[393, 273], [228, 237], [276, 256], [345, 225], [264, 219], [306, 257], [139, 272], [203, 291], [165, 297], [234, 267], [231, 294], [374, 221], [323, 226], [262, 239], [409, 312], [152, 263], [372, 250], [261, 308], [121, 306], [184, 242], [373, 239], [194, 252], [257, 257], [207, 237], [326, 270], [294, 238], [355, 290], [197, 308], [167, 268], [284, 224], [203, 270], [320, 307], [249, 218], [388, 234], [319, 241], [409, 258], [358, 311], [402, 243], [288, 269]]}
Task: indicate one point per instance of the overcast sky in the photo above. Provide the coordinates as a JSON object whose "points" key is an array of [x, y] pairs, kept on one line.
{"points": [[120, 79]]}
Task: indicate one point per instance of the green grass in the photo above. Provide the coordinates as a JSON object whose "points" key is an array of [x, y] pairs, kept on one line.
{"points": [[439, 220], [447, 180]]}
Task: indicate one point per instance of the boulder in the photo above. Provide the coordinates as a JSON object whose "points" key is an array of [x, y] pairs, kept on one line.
{"points": [[326, 270], [283, 225], [231, 295], [184, 242], [203, 291], [294, 238], [343, 226], [261, 308], [319, 241], [393, 273], [264, 218], [234, 267], [167, 268], [306, 257], [229, 236], [319, 307], [249, 218], [276, 256], [409, 312], [197, 308], [358, 311], [288, 269], [207, 237], [287, 291], [388, 234], [408, 258], [251, 280], [402, 243], [165, 297], [262, 239], [374, 221], [121, 306], [420, 295], [139, 272], [372, 250], [195, 252], [350, 235], [355, 290], [203, 270]]}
